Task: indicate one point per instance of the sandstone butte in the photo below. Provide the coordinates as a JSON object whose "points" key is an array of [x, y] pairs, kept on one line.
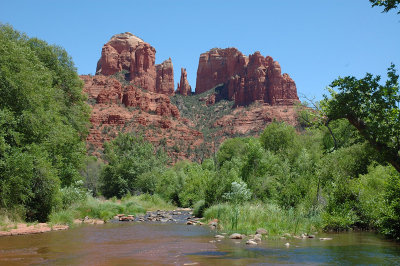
{"points": [[127, 52], [246, 79], [130, 93]]}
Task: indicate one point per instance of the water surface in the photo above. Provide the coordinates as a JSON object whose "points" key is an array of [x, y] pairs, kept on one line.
{"points": [[178, 244]]}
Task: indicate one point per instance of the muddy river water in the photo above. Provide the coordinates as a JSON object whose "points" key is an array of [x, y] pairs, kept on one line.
{"points": [[179, 244]]}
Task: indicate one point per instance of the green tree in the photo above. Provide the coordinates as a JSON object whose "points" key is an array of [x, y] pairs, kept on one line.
{"points": [[43, 123], [387, 4], [372, 108], [278, 137], [128, 157]]}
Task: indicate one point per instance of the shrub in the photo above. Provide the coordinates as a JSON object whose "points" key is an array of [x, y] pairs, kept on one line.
{"points": [[278, 137], [253, 215], [73, 194], [199, 208], [129, 157], [391, 218]]}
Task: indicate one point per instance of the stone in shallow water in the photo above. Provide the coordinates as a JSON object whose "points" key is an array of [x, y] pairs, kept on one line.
{"points": [[261, 231], [257, 238], [236, 236], [251, 242]]}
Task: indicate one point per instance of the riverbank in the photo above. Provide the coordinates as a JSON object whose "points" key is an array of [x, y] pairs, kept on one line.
{"points": [[27, 229], [247, 218], [92, 211]]}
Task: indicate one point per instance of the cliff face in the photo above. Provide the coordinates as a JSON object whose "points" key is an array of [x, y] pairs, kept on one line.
{"points": [[127, 52], [247, 79], [130, 93], [126, 108]]}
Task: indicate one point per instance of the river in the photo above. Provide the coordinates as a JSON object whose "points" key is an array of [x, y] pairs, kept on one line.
{"points": [[179, 244]]}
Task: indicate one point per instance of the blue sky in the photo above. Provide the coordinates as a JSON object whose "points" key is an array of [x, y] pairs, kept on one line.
{"points": [[315, 41]]}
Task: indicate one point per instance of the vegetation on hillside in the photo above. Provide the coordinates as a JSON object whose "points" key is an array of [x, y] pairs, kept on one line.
{"points": [[195, 108]]}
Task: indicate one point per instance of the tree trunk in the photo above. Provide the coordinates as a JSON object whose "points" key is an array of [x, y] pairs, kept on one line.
{"points": [[391, 155]]}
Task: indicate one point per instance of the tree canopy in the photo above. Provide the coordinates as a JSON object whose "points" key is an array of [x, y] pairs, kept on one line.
{"points": [[128, 157], [372, 108], [43, 122], [387, 4]]}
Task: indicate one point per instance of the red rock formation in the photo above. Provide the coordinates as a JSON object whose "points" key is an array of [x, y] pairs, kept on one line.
{"points": [[117, 108], [144, 106], [149, 102], [247, 79], [127, 52], [165, 78], [184, 87], [217, 66]]}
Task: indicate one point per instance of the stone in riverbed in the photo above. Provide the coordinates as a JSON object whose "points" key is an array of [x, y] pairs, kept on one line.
{"points": [[236, 236], [325, 238], [257, 238], [261, 231], [251, 242], [287, 235], [219, 236]]}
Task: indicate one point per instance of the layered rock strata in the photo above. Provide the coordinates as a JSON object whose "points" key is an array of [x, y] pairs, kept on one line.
{"points": [[246, 79], [130, 93], [127, 52], [126, 108]]}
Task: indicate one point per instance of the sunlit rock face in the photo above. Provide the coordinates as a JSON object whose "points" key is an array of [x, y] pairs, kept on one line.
{"points": [[128, 52], [247, 78], [184, 87]]}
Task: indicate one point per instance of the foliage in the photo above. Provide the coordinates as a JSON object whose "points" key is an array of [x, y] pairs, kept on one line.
{"points": [[43, 122], [128, 157], [90, 173], [221, 182], [373, 109], [275, 220], [387, 4], [73, 194], [230, 148], [391, 213], [169, 185], [95, 208], [199, 208], [239, 193], [278, 137], [195, 108]]}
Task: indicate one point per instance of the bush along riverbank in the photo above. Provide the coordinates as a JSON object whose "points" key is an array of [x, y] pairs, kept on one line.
{"points": [[287, 181], [89, 210]]}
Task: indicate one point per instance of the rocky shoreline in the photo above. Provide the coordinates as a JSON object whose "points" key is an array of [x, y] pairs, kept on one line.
{"points": [[26, 229], [180, 215]]}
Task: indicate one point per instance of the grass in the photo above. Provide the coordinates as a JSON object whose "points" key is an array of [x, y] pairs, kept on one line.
{"points": [[9, 219], [96, 208], [271, 217]]}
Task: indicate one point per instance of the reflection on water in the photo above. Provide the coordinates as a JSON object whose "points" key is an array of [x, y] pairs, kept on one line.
{"points": [[149, 244]]}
